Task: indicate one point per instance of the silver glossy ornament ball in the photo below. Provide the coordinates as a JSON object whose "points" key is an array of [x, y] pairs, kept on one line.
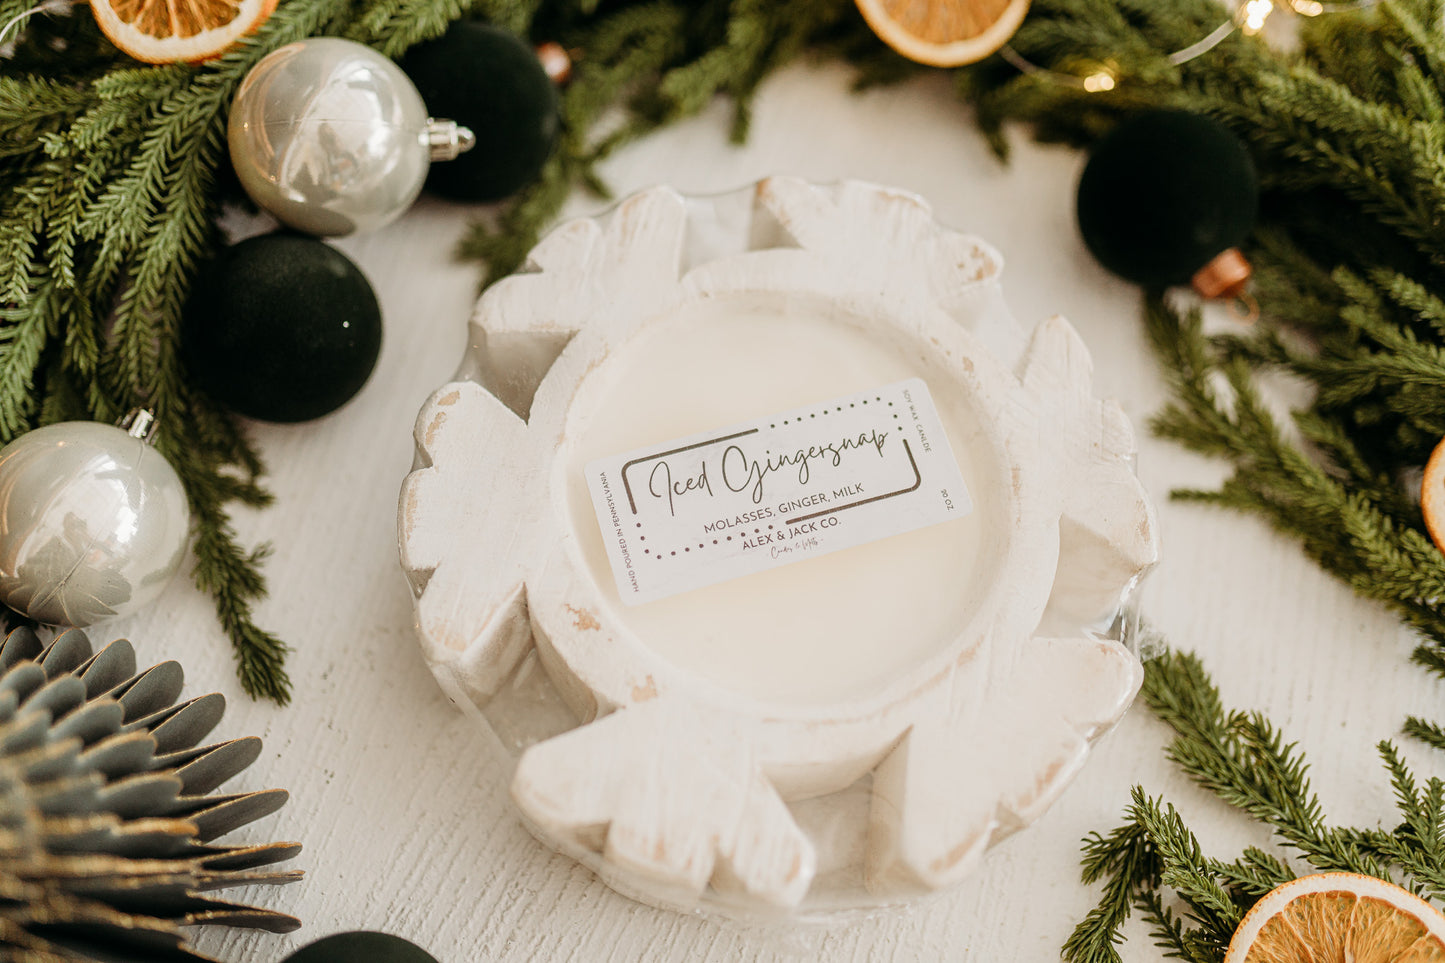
{"points": [[93, 522], [332, 137]]}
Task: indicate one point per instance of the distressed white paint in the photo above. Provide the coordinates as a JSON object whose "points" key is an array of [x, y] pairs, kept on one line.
{"points": [[675, 784], [402, 801]]}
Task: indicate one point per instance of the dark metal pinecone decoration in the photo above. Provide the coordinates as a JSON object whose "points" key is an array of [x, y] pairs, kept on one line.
{"points": [[106, 811]]}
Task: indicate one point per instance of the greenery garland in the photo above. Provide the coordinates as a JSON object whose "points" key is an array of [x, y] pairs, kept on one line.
{"points": [[1152, 861]]}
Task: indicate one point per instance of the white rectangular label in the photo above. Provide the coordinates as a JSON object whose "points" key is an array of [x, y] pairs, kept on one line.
{"points": [[727, 503]]}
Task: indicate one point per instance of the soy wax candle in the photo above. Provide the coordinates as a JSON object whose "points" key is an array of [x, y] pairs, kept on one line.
{"points": [[770, 545], [801, 631]]}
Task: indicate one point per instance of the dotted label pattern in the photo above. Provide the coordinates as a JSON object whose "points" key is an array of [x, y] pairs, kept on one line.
{"points": [[796, 485]]}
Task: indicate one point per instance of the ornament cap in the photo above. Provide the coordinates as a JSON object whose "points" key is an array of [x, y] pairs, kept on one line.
{"points": [[1224, 276], [140, 423], [447, 139]]}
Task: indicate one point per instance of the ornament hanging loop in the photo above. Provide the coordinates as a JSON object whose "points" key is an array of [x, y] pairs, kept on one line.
{"points": [[447, 140], [1244, 308]]}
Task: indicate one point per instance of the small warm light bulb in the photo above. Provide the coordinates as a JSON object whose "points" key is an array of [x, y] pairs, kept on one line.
{"points": [[1099, 81], [1307, 8], [1254, 14]]}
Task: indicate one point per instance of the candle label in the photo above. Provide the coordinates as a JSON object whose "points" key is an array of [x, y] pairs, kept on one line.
{"points": [[781, 489]]}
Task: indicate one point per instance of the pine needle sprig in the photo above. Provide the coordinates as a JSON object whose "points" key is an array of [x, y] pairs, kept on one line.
{"points": [[1166, 929], [22, 340], [1348, 513], [1153, 859], [1417, 846], [395, 26], [1243, 759], [1186, 871], [633, 43], [1429, 733], [1126, 861], [659, 61]]}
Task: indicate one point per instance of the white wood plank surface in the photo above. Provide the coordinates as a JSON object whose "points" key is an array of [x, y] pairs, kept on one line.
{"points": [[401, 803]]}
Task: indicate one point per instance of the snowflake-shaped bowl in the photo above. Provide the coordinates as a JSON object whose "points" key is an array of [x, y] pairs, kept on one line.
{"points": [[846, 731]]}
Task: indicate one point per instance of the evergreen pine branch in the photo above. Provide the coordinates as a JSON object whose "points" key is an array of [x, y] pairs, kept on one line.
{"points": [[1153, 858], [1242, 759], [22, 342], [1255, 873], [1375, 544], [1185, 870], [1427, 732], [1418, 845], [394, 26], [234, 580], [1126, 861], [1167, 929], [1301, 293], [1327, 120], [633, 43]]}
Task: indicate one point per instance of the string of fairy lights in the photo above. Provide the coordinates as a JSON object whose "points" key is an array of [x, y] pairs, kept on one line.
{"points": [[1248, 18]]}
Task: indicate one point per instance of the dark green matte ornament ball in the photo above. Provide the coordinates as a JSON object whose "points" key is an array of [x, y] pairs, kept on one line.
{"points": [[486, 79], [281, 328], [361, 947], [1163, 193]]}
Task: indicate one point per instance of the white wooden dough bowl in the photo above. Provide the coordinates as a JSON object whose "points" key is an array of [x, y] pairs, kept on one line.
{"points": [[846, 731]]}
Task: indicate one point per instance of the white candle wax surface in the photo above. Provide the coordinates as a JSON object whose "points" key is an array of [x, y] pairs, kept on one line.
{"points": [[832, 629]]}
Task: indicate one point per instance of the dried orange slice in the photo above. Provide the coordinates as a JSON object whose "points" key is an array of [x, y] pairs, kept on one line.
{"points": [[167, 31], [944, 33], [1339, 916], [1432, 496]]}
